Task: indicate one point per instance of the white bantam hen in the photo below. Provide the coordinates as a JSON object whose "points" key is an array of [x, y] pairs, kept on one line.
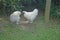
{"points": [[30, 16], [15, 17]]}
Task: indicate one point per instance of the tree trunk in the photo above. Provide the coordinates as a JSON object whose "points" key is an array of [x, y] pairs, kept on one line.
{"points": [[47, 10]]}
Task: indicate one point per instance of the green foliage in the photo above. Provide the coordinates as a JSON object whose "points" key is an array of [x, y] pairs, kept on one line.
{"points": [[14, 4], [11, 5], [55, 12], [8, 6]]}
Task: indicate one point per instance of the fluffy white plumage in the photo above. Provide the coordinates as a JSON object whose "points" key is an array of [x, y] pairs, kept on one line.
{"points": [[30, 16], [15, 17]]}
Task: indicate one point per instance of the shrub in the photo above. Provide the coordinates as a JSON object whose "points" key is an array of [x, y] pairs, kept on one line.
{"points": [[11, 5], [8, 6], [55, 12]]}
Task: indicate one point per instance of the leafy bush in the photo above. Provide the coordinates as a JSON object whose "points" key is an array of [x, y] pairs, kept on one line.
{"points": [[8, 6], [55, 12], [11, 5]]}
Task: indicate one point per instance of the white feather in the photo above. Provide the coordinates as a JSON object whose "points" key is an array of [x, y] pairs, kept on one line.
{"points": [[31, 15], [15, 17]]}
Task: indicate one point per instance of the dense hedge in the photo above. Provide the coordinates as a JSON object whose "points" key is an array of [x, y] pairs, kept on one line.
{"points": [[55, 12], [55, 9], [8, 6]]}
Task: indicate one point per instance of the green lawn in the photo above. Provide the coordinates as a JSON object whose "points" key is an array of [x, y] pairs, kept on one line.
{"points": [[35, 31]]}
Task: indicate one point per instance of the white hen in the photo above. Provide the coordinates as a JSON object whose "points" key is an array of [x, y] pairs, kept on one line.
{"points": [[30, 16], [15, 17]]}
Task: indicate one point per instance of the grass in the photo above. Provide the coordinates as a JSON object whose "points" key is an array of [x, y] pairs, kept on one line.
{"points": [[35, 31]]}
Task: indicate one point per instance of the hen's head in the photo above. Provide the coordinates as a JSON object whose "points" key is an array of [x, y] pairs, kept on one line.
{"points": [[35, 10]]}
